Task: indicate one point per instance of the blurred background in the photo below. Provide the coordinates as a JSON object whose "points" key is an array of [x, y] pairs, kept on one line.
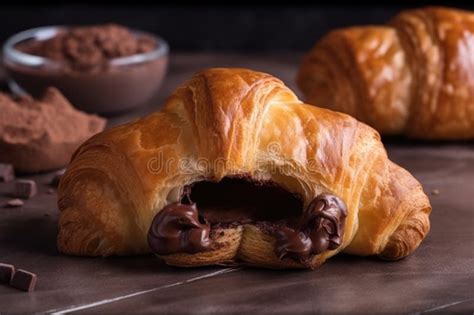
{"points": [[262, 37], [207, 27]]}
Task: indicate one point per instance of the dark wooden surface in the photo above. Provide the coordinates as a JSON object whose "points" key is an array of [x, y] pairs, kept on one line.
{"points": [[437, 279]]}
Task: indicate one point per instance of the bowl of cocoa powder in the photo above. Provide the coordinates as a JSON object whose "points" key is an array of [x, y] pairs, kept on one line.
{"points": [[103, 69]]}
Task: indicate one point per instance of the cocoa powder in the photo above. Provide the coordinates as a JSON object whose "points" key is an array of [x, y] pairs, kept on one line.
{"points": [[41, 135], [89, 48]]}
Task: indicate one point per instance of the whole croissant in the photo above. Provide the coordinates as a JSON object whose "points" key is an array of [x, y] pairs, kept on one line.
{"points": [[414, 76], [244, 138]]}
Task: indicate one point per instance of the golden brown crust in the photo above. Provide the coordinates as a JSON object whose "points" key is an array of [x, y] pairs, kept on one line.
{"points": [[414, 76], [241, 122]]}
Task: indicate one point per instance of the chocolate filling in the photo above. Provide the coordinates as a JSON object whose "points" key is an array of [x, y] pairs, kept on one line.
{"points": [[178, 228], [321, 227], [239, 200], [206, 206]]}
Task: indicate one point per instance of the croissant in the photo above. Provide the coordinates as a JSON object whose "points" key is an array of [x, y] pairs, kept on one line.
{"points": [[414, 76], [236, 170]]}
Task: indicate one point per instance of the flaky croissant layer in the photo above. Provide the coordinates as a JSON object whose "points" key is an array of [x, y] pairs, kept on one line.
{"points": [[414, 76], [238, 127]]}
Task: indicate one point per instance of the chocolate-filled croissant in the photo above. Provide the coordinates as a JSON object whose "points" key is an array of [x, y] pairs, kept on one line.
{"points": [[236, 170], [414, 76]]}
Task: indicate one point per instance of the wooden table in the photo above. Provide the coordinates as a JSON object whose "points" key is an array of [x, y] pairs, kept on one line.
{"points": [[437, 279]]}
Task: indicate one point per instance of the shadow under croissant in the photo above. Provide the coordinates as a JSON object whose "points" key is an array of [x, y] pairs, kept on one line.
{"points": [[398, 140], [37, 237]]}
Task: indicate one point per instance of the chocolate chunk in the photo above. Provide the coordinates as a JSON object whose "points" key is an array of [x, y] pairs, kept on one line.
{"points": [[24, 280], [6, 273], [177, 228], [57, 178], [25, 188], [13, 203], [6, 173]]}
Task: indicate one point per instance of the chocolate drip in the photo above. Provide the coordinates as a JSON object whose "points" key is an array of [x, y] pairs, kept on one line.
{"points": [[321, 228], [177, 228], [292, 243]]}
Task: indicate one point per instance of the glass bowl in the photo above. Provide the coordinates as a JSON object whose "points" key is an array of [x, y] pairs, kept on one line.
{"points": [[126, 82]]}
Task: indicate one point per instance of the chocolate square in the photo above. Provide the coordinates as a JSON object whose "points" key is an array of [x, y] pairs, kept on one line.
{"points": [[25, 188], [7, 173], [57, 178], [24, 280], [6, 273]]}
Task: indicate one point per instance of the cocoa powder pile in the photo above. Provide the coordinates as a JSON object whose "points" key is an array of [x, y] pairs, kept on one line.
{"points": [[89, 48], [41, 135]]}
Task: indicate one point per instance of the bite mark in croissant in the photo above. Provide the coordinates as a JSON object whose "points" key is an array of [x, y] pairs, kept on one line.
{"points": [[414, 76], [236, 170], [179, 228]]}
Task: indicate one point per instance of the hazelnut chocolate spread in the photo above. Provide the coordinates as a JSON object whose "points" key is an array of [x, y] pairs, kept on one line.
{"points": [[178, 228], [89, 48], [181, 227], [291, 243], [321, 228]]}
